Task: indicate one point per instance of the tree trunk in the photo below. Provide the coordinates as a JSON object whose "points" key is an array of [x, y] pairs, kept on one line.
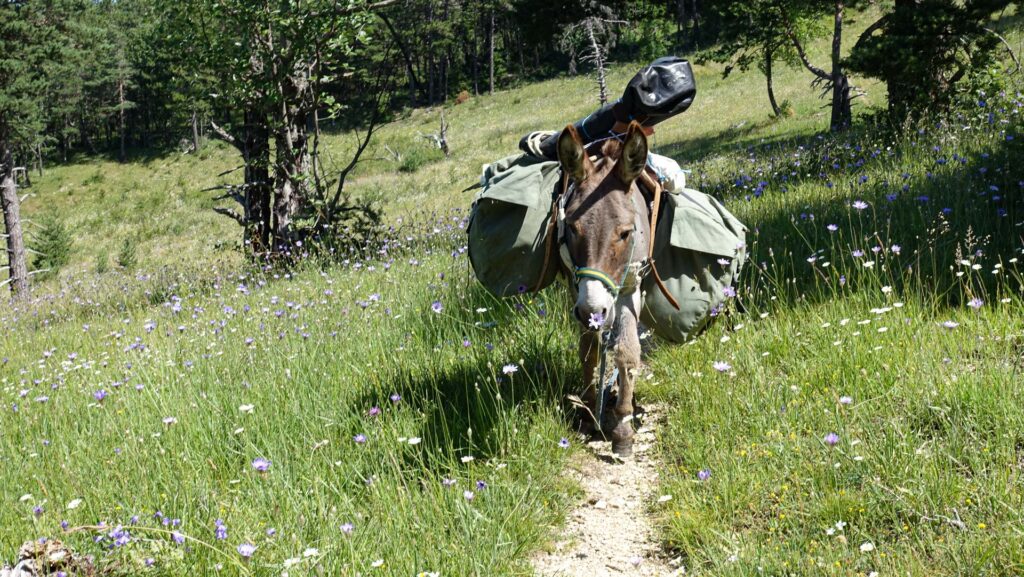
{"points": [[256, 152], [768, 50], [39, 159], [291, 166], [842, 114], [598, 58], [16, 255], [195, 131], [122, 155], [490, 48]]}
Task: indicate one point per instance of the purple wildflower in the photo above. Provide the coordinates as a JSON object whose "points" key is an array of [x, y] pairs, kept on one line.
{"points": [[831, 439], [261, 464], [704, 474], [246, 550]]}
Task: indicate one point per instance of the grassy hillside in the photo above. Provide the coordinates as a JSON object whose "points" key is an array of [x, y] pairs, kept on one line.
{"points": [[389, 417]]}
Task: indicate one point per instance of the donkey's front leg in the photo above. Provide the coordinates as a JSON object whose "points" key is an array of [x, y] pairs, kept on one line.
{"points": [[589, 351], [627, 360]]}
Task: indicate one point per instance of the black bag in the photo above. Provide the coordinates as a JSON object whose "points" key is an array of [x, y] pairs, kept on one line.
{"points": [[663, 89]]}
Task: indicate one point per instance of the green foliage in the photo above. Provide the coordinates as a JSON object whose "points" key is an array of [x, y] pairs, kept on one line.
{"points": [[418, 156], [928, 50], [645, 37], [53, 244], [102, 261], [127, 257]]}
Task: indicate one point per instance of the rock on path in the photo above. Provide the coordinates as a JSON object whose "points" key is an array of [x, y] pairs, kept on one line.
{"points": [[610, 532]]}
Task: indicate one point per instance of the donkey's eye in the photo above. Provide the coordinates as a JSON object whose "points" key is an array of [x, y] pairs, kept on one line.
{"points": [[624, 235]]}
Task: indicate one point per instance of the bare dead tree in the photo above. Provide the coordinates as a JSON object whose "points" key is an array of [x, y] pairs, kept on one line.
{"points": [[17, 256], [589, 41]]}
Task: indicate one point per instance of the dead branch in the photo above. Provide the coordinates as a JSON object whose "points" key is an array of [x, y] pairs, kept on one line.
{"points": [[229, 212], [225, 136], [1009, 49]]}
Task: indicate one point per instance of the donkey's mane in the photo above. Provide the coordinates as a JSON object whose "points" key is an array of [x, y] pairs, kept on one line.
{"points": [[611, 149]]}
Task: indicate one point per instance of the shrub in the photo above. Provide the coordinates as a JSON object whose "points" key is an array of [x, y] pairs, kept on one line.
{"points": [[53, 245], [127, 257]]}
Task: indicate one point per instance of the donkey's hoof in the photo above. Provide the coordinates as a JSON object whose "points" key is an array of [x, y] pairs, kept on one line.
{"points": [[623, 448]]}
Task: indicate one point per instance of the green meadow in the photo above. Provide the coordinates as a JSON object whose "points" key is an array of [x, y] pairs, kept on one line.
{"points": [[856, 410]]}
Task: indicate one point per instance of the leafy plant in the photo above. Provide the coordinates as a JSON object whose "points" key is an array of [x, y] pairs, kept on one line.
{"points": [[52, 246]]}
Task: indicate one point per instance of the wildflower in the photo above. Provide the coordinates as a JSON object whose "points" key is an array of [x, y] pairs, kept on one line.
{"points": [[395, 398], [975, 303], [246, 550], [950, 324], [170, 420], [347, 528], [468, 495], [563, 443], [831, 439], [724, 261], [867, 547], [895, 249], [832, 227], [729, 292], [704, 474], [38, 510], [481, 485], [721, 366], [446, 482], [271, 532], [596, 320], [509, 368], [100, 395], [845, 400], [374, 411], [859, 204], [437, 307], [221, 531], [359, 439], [260, 464], [178, 537]]}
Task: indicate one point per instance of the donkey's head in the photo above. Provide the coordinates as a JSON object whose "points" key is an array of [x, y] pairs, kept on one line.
{"points": [[606, 228]]}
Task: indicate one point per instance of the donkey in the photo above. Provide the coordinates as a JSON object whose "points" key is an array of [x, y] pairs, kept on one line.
{"points": [[604, 232]]}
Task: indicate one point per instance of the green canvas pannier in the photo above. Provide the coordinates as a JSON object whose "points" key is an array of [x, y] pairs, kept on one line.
{"points": [[508, 223], [698, 251], [698, 248]]}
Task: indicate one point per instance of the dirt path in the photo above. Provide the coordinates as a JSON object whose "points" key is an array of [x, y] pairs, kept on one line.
{"points": [[610, 531]]}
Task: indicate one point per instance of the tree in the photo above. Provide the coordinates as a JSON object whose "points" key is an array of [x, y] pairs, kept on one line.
{"points": [[922, 49], [752, 35], [756, 30], [274, 58], [24, 42]]}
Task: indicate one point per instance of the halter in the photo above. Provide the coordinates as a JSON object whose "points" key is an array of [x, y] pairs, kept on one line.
{"points": [[581, 272]]}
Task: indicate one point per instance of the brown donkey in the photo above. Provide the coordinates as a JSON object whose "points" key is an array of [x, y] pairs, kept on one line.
{"points": [[603, 233]]}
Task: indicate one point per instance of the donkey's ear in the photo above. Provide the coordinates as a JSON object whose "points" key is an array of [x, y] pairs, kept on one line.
{"points": [[572, 155], [634, 153]]}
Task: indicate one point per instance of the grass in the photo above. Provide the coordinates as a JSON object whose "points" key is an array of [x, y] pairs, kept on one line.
{"points": [[151, 393]]}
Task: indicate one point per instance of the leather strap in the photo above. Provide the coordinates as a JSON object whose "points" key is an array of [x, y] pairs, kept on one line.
{"points": [[652, 184], [552, 223]]}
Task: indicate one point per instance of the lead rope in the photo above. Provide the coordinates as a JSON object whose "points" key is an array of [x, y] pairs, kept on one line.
{"points": [[605, 344]]}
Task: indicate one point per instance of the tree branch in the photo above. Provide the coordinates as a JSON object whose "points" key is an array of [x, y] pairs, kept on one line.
{"points": [[223, 135], [1008, 48], [801, 52], [230, 213]]}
